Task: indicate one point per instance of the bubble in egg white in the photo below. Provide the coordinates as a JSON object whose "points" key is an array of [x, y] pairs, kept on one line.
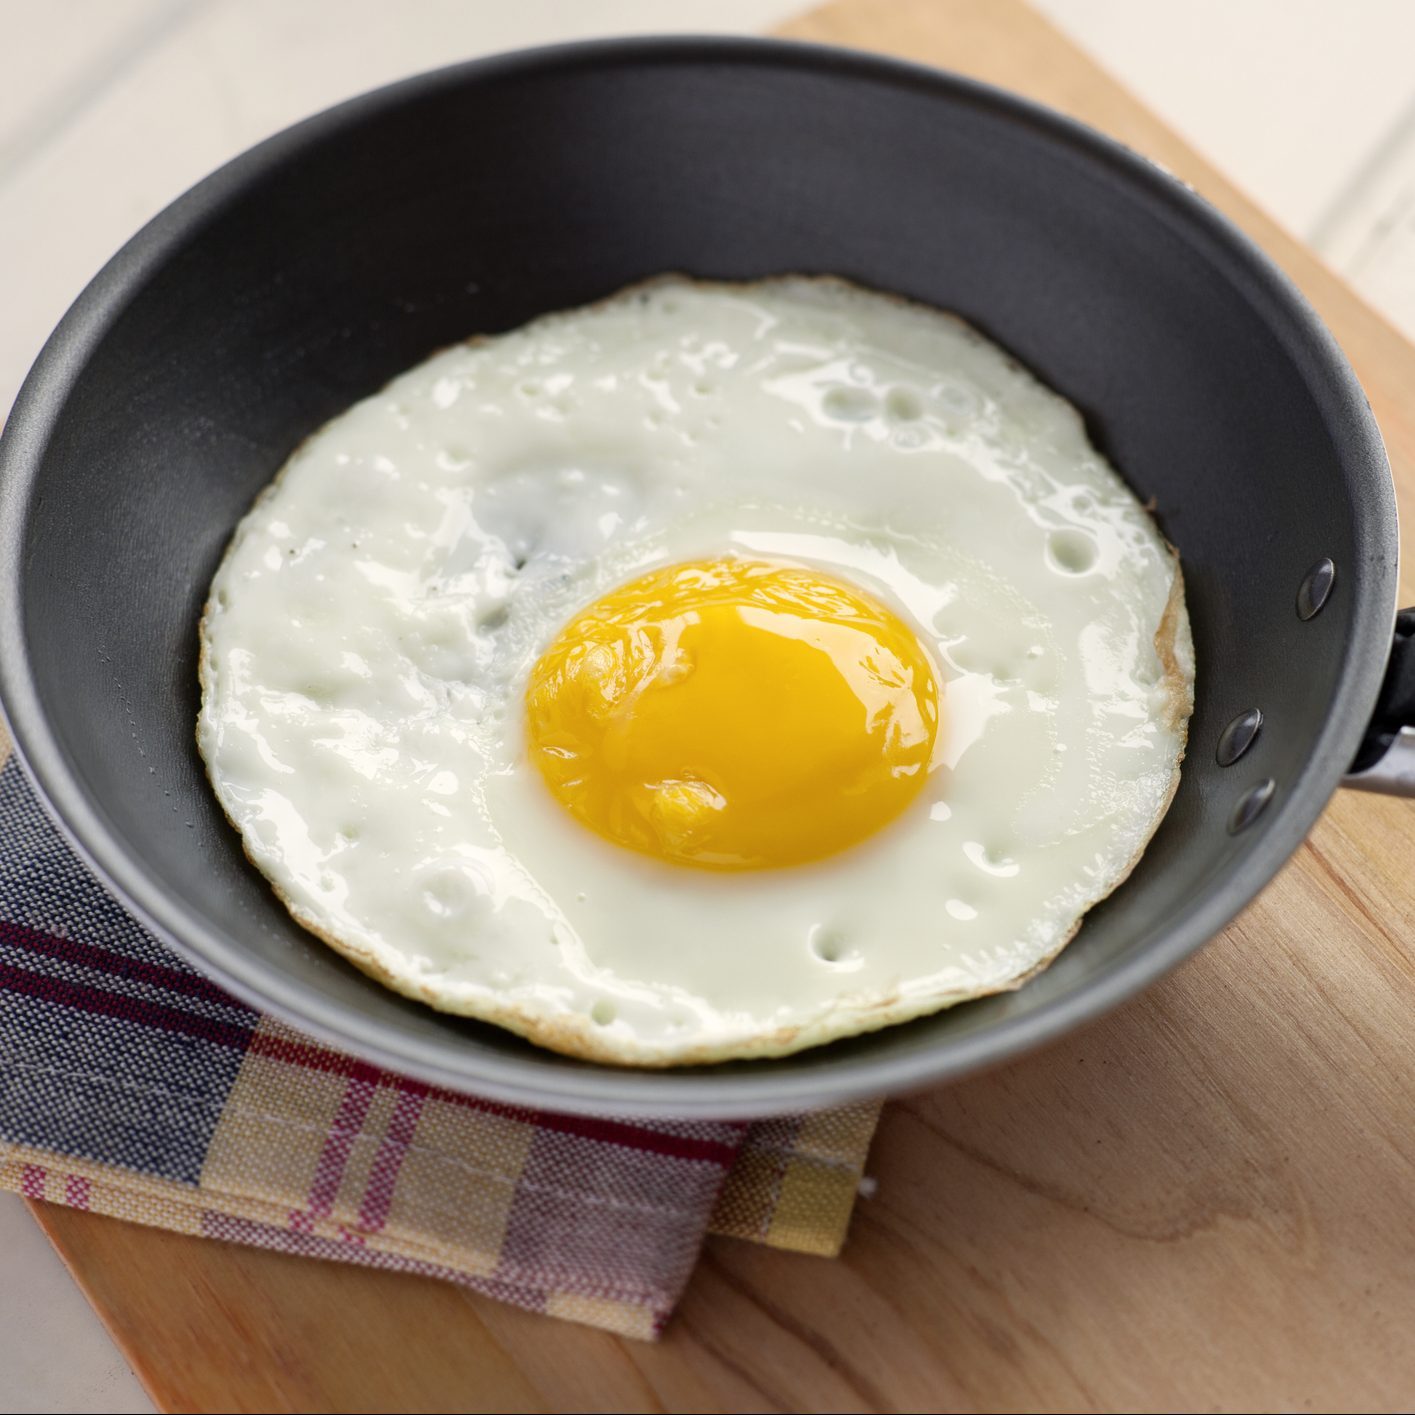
{"points": [[904, 405], [1072, 552], [850, 405]]}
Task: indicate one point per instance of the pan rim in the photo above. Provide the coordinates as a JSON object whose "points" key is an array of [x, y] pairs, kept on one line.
{"points": [[550, 1081]]}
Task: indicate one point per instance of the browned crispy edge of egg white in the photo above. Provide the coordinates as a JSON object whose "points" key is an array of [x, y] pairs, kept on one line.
{"points": [[584, 1040]]}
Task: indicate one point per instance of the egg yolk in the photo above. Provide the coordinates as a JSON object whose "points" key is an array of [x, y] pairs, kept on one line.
{"points": [[734, 715]]}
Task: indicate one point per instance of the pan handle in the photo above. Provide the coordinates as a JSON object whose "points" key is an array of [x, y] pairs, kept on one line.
{"points": [[1386, 760]]}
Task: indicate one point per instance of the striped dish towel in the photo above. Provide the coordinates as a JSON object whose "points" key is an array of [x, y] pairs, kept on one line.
{"points": [[131, 1086]]}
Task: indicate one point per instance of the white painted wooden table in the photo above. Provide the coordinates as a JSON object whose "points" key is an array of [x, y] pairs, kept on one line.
{"points": [[109, 108]]}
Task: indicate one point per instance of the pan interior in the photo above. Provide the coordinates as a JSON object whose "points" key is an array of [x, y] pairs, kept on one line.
{"points": [[313, 270]]}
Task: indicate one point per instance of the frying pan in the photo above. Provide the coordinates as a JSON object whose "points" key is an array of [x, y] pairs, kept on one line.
{"points": [[312, 269]]}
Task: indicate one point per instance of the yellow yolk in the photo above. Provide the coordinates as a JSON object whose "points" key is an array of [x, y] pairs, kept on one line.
{"points": [[734, 715]]}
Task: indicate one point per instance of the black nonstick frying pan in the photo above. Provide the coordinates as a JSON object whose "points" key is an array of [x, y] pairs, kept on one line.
{"points": [[311, 270]]}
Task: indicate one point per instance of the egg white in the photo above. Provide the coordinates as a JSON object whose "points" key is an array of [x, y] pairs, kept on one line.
{"points": [[370, 630]]}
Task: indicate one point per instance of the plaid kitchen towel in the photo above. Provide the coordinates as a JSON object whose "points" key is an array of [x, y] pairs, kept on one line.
{"points": [[131, 1086]]}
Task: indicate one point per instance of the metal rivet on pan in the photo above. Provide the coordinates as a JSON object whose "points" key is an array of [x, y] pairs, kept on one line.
{"points": [[1238, 736], [1315, 589], [1251, 805]]}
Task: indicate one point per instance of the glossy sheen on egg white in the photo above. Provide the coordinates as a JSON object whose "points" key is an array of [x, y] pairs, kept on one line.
{"points": [[371, 630]]}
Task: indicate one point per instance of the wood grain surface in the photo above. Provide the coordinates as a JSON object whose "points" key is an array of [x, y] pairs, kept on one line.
{"points": [[1204, 1201]]}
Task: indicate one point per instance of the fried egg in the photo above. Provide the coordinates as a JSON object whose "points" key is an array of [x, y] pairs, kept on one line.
{"points": [[711, 672]]}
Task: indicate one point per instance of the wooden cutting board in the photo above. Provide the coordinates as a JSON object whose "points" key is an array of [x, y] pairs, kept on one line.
{"points": [[1205, 1201]]}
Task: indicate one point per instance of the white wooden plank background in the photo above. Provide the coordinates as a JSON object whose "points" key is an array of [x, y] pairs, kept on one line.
{"points": [[110, 108]]}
